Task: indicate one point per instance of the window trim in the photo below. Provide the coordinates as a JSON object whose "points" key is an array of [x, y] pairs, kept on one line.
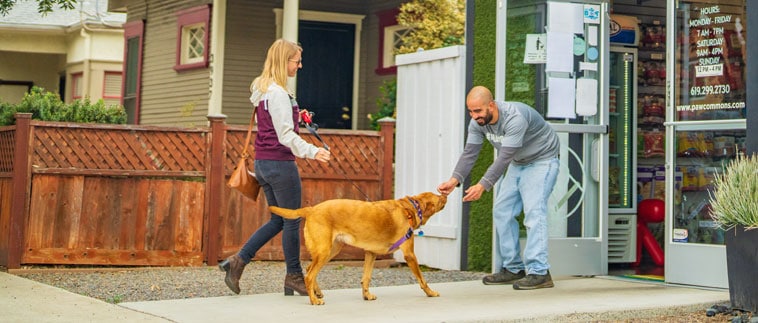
{"points": [[133, 29], [187, 17], [387, 18], [76, 80]]}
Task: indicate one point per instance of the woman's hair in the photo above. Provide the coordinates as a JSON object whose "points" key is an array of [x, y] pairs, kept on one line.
{"points": [[275, 67]]}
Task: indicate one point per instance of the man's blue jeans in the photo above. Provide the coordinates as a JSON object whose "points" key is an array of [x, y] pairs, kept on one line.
{"points": [[280, 181], [525, 187]]}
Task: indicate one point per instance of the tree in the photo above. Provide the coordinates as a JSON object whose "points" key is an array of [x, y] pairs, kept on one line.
{"points": [[434, 24], [45, 6]]}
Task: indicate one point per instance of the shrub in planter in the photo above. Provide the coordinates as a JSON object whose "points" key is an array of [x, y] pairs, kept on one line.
{"points": [[734, 207]]}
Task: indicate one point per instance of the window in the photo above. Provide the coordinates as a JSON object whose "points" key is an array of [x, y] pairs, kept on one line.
{"points": [[133, 35], [393, 36], [192, 38], [193, 48], [389, 39], [76, 85], [112, 88]]}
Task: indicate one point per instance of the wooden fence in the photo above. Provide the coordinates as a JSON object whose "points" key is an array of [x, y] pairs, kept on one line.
{"points": [[93, 194]]}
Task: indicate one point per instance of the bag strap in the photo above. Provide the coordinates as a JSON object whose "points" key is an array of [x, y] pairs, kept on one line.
{"points": [[249, 132]]}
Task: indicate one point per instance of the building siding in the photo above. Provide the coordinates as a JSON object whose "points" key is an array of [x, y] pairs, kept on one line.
{"points": [[169, 98], [371, 81], [250, 30], [181, 99]]}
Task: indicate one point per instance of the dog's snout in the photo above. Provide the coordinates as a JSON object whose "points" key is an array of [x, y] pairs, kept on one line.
{"points": [[442, 200]]}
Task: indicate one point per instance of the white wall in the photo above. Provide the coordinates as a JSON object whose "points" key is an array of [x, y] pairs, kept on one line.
{"points": [[42, 69], [429, 139], [104, 45]]}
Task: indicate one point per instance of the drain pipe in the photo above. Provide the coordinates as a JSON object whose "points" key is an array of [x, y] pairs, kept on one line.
{"points": [[86, 62]]}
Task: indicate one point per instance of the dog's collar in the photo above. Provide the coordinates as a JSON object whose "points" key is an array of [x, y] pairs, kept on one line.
{"points": [[409, 233]]}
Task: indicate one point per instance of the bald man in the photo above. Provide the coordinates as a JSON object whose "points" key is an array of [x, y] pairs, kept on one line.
{"points": [[528, 147]]}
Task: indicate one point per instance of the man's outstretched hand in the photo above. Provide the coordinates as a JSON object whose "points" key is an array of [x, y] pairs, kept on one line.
{"points": [[447, 187], [473, 193]]}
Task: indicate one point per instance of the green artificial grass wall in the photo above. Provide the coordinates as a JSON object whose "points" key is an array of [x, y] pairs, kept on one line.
{"points": [[480, 215], [518, 73]]}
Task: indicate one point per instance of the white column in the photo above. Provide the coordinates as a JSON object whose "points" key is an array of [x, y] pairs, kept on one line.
{"points": [[218, 31], [290, 19], [86, 82], [289, 30]]}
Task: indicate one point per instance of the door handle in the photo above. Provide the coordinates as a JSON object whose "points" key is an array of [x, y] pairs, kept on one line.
{"points": [[580, 128]]}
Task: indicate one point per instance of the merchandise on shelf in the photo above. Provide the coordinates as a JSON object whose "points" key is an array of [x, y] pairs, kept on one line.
{"points": [[624, 30], [652, 108], [654, 36], [651, 143], [695, 144]]}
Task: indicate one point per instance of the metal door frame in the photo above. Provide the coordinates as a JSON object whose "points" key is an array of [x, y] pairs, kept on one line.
{"points": [[687, 263], [582, 255]]}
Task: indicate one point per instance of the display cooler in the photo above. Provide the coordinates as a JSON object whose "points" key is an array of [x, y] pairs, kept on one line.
{"points": [[622, 162]]}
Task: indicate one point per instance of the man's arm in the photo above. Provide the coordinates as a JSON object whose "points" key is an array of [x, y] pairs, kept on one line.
{"points": [[466, 161], [462, 168], [495, 170], [504, 157]]}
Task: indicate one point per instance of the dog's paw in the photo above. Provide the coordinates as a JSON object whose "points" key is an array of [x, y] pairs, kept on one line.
{"points": [[317, 301], [369, 296], [432, 293]]}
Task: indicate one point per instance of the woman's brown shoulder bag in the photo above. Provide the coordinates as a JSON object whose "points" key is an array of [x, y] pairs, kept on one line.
{"points": [[242, 179]]}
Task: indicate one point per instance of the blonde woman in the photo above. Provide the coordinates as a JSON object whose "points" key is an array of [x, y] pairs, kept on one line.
{"points": [[277, 143]]}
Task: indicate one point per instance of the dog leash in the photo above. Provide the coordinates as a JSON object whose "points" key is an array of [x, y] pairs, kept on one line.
{"points": [[312, 128], [409, 233]]}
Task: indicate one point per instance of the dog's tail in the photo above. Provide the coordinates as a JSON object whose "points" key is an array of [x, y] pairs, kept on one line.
{"points": [[287, 213]]}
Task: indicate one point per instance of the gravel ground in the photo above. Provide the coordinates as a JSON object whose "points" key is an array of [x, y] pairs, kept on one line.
{"points": [[117, 285]]}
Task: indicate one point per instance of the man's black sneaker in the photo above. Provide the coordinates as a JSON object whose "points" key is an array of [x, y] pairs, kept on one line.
{"points": [[533, 281], [503, 277]]}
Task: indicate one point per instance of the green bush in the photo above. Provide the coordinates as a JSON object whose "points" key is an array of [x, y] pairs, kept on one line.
{"points": [[433, 24], [6, 113], [386, 103], [48, 106]]}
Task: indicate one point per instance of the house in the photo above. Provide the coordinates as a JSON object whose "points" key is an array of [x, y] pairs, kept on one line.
{"points": [[75, 53], [188, 59]]}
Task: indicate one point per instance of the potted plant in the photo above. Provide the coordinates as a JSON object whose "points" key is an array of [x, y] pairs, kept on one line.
{"points": [[734, 207]]}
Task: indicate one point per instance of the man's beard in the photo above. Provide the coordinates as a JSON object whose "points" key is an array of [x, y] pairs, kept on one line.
{"points": [[484, 120]]}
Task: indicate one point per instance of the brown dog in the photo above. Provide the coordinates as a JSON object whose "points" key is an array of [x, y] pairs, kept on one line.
{"points": [[377, 227]]}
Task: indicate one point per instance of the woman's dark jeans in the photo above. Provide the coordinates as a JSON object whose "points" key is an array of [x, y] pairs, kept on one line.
{"points": [[280, 181]]}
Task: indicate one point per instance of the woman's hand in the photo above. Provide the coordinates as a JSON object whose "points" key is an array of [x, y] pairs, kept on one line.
{"points": [[323, 155]]}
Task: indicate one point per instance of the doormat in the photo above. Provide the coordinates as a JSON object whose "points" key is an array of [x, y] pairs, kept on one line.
{"points": [[653, 278]]}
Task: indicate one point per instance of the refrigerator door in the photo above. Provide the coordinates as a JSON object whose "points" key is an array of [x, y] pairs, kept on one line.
{"points": [[622, 120]]}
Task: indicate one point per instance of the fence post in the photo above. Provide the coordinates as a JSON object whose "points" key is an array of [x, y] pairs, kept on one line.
{"points": [[214, 186], [387, 132], [21, 187]]}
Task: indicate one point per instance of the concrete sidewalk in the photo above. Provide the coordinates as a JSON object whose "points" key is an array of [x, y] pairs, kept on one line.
{"points": [[23, 300]]}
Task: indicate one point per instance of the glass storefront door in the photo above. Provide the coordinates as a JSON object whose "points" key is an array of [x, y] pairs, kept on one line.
{"points": [[577, 216], [706, 129]]}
